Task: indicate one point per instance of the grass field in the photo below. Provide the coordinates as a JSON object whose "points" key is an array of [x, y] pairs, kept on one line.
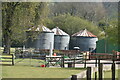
{"points": [[108, 74], [20, 61], [37, 72], [29, 62], [30, 68]]}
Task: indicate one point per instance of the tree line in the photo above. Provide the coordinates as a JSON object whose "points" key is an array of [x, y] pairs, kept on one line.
{"points": [[17, 17]]}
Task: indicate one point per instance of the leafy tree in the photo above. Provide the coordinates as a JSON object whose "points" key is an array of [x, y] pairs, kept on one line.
{"points": [[41, 13], [17, 17], [88, 10], [110, 29], [112, 32], [72, 24], [8, 11]]}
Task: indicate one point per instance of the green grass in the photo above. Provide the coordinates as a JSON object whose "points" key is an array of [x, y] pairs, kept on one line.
{"points": [[30, 68], [29, 62], [108, 74], [25, 62], [38, 72]]}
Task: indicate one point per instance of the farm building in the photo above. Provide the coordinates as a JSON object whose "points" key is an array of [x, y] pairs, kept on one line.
{"points": [[61, 39], [40, 37], [83, 39], [104, 46]]}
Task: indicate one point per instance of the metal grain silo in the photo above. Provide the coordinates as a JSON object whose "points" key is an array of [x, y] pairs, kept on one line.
{"points": [[44, 38], [85, 40], [61, 39]]}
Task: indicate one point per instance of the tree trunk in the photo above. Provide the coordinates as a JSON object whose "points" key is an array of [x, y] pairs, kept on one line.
{"points": [[7, 44], [7, 34], [7, 16]]}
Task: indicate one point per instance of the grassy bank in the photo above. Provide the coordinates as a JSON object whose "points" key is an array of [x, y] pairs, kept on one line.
{"points": [[37, 72]]}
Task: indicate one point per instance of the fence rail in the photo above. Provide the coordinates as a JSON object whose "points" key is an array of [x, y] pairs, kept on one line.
{"points": [[7, 59]]}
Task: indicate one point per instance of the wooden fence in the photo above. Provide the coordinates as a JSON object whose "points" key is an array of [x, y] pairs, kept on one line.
{"points": [[7, 59], [100, 73]]}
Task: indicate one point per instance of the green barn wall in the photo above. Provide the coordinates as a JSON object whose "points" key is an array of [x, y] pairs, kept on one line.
{"points": [[109, 47]]}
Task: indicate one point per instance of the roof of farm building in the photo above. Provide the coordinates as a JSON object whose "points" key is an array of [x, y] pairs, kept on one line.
{"points": [[40, 28], [84, 33], [58, 31]]}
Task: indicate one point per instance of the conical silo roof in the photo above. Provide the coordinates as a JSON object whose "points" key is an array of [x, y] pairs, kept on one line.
{"points": [[58, 31], [40, 28], [84, 33]]}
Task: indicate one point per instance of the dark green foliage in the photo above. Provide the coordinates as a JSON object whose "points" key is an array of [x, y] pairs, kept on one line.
{"points": [[72, 24], [17, 17], [112, 31]]}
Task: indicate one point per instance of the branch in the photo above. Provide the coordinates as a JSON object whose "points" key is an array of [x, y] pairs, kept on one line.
{"points": [[17, 3]]}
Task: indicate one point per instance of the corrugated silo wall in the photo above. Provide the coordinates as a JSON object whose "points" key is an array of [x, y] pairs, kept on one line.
{"points": [[42, 41], [72, 42], [84, 43], [30, 43], [61, 42]]}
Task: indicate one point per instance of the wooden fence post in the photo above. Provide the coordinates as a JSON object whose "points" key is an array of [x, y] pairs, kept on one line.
{"points": [[96, 71], [100, 70], [88, 73], [85, 60], [74, 62], [113, 71], [12, 59], [74, 77], [63, 61]]}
